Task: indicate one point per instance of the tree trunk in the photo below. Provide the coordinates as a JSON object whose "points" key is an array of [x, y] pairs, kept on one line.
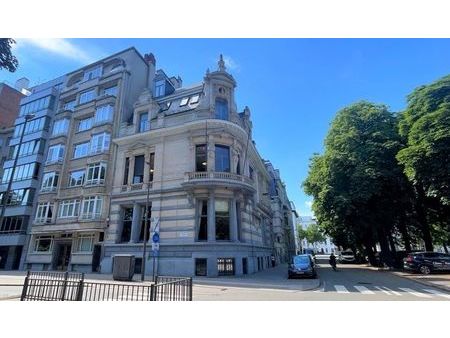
{"points": [[445, 248], [370, 255], [405, 235], [386, 256], [422, 219]]}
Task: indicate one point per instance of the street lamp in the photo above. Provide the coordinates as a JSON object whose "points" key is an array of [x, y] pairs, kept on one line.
{"points": [[147, 205], [16, 158]]}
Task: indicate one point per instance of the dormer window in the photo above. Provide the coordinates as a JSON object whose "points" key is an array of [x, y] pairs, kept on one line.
{"points": [[194, 99], [221, 109], [184, 101], [92, 73], [160, 88]]}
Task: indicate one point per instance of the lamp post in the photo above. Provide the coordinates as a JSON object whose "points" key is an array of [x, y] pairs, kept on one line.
{"points": [[5, 195], [146, 219]]}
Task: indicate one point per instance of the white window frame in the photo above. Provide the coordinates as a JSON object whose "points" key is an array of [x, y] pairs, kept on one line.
{"points": [[69, 209], [59, 149], [103, 114], [104, 139], [85, 123], [60, 127], [81, 150], [36, 244], [184, 101], [42, 212], [92, 207], [82, 180], [87, 96], [82, 238], [95, 180], [53, 177], [93, 73]]}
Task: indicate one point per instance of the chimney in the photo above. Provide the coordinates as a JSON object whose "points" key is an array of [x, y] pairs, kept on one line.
{"points": [[176, 82], [22, 85], [151, 63]]}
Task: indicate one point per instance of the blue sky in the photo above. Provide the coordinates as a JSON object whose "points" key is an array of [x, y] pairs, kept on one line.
{"points": [[293, 87]]}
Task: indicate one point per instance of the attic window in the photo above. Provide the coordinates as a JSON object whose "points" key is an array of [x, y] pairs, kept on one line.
{"points": [[194, 99], [184, 101]]}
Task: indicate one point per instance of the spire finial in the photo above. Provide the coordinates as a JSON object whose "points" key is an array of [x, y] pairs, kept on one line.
{"points": [[221, 64]]}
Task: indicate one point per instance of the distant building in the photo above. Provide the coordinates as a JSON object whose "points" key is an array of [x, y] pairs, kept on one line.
{"points": [[9, 105], [325, 247]]}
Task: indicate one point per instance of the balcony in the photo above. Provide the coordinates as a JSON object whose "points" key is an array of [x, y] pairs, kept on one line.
{"points": [[215, 178], [133, 187]]}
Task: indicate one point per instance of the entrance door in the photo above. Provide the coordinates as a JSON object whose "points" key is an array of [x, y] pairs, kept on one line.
{"points": [[244, 266], [63, 258], [96, 258]]}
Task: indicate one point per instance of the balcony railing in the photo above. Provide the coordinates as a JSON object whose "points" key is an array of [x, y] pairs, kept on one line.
{"points": [[199, 176], [133, 187]]}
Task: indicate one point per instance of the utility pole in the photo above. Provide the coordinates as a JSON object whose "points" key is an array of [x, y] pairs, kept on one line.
{"points": [[147, 205], [5, 195]]}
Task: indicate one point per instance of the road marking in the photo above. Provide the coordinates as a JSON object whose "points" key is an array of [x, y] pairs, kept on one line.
{"points": [[437, 293], [415, 293], [341, 289], [364, 290], [392, 291], [382, 290]]}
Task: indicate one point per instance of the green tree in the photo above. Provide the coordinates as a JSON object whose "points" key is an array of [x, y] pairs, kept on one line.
{"points": [[7, 59], [425, 127], [357, 182]]}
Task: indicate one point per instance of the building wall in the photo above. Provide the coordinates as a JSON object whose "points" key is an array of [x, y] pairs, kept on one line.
{"points": [[9, 105]]}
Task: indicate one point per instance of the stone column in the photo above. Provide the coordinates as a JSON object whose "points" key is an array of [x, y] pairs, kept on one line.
{"points": [[233, 221], [136, 223], [211, 218]]}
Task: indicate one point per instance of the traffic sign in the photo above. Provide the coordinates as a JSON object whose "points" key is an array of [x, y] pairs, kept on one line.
{"points": [[155, 237], [155, 246]]}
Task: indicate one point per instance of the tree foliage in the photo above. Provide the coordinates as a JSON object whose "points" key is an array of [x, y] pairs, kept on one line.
{"points": [[357, 182], [7, 60], [313, 234]]}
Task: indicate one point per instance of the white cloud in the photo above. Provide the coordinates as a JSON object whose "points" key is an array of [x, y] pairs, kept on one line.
{"points": [[230, 63], [61, 47], [309, 204]]}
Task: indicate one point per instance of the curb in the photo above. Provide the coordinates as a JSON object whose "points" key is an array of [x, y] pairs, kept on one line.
{"points": [[10, 297], [426, 283]]}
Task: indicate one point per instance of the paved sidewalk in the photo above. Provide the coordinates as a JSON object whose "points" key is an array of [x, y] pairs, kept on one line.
{"points": [[437, 280]]}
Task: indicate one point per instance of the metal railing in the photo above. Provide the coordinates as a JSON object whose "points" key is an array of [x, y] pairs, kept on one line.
{"points": [[65, 286]]}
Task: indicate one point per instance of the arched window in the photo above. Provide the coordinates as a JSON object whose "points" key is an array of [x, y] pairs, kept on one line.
{"points": [[221, 109]]}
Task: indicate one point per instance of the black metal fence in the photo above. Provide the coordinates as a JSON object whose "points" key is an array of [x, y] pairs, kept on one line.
{"points": [[54, 286]]}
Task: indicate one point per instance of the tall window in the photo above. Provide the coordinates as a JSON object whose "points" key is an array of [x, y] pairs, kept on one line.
{"points": [[143, 224], [44, 212], [85, 243], [202, 229], [32, 126], [152, 167], [200, 157], [92, 207], [100, 143], [222, 158], [138, 175], [60, 127], [238, 165], [19, 197], [222, 209], [126, 171], [76, 178], [37, 105], [69, 208], [87, 96], [22, 172], [221, 109], [126, 225], [13, 224], [55, 153], [160, 87], [103, 114], [27, 149], [92, 73], [144, 123], [50, 181], [96, 173], [81, 150], [85, 124]]}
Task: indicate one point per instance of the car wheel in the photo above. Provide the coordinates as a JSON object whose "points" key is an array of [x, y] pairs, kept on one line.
{"points": [[425, 270]]}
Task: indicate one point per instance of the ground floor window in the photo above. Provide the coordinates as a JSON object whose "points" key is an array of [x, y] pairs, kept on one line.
{"points": [[244, 266], [201, 266], [222, 209], [43, 244], [202, 227], [145, 225], [85, 243], [225, 266], [126, 225]]}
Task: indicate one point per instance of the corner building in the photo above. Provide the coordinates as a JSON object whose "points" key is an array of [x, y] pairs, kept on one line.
{"points": [[192, 152]]}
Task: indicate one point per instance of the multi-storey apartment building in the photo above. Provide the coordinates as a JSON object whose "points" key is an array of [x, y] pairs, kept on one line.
{"points": [[190, 152], [74, 195], [32, 122], [283, 225]]}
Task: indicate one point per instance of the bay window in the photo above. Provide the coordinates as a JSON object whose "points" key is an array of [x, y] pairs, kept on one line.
{"points": [[92, 73], [81, 150], [69, 208], [85, 124], [60, 127], [87, 96], [103, 114], [44, 212], [49, 181], [76, 178], [55, 153], [100, 143], [92, 207], [96, 173]]}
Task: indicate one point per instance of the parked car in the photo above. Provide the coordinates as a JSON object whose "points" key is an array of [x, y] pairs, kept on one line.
{"points": [[346, 257], [427, 262], [302, 266]]}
